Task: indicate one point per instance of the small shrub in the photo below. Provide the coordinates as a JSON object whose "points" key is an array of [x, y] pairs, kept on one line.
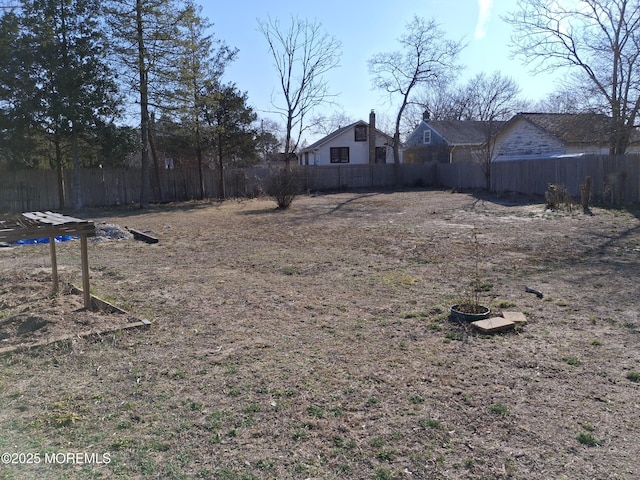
{"points": [[573, 361], [383, 474], [300, 434], [634, 377], [457, 336], [337, 411], [588, 427], [315, 411], [588, 440], [233, 392], [252, 408], [505, 304], [386, 455], [498, 409], [283, 187], [265, 464], [557, 197], [288, 270], [430, 423]]}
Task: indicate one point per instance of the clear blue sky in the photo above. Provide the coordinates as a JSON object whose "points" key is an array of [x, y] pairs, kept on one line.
{"points": [[366, 28]]}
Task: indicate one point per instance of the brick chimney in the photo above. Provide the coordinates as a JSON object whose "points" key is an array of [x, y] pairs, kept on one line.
{"points": [[372, 137]]}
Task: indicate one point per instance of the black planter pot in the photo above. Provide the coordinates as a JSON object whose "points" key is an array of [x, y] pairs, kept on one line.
{"points": [[470, 313]]}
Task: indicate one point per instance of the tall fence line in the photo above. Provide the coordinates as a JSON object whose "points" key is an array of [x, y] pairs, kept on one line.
{"points": [[614, 179], [27, 190]]}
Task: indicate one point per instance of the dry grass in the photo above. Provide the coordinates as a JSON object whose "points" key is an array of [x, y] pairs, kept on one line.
{"points": [[315, 343]]}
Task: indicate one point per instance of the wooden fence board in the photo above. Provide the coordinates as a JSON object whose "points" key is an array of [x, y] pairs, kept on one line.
{"points": [[614, 179]]}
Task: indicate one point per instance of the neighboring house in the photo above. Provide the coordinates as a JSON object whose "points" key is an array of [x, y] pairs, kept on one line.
{"points": [[356, 144], [544, 135], [447, 141]]}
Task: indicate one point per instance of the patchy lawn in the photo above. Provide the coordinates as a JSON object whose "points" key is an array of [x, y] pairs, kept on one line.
{"points": [[315, 343]]}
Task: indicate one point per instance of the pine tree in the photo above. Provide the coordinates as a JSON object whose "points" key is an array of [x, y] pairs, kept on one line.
{"points": [[59, 77]]}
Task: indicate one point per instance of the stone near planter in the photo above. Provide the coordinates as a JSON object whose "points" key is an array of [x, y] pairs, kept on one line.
{"points": [[494, 324], [518, 318]]}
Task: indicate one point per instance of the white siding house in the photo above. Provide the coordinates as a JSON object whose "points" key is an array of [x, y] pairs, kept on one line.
{"points": [[543, 135], [356, 144]]}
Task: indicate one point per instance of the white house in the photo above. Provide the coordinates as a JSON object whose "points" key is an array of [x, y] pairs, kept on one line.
{"points": [[356, 144], [547, 135]]}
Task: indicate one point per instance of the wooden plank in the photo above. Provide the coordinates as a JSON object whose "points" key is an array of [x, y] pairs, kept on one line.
{"points": [[85, 271], [54, 264], [65, 218], [518, 318], [494, 324], [86, 333], [140, 322], [41, 218], [52, 218], [138, 235], [13, 235]]}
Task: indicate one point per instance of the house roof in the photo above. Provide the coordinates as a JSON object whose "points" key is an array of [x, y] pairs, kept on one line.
{"points": [[462, 132], [574, 128], [337, 133]]}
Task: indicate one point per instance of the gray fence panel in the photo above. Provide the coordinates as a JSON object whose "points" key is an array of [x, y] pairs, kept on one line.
{"points": [[614, 179]]}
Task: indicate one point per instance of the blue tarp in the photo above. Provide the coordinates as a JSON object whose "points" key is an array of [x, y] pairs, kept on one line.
{"points": [[33, 241]]}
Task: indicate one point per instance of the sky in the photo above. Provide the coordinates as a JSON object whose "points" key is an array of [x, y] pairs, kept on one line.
{"points": [[366, 28]]}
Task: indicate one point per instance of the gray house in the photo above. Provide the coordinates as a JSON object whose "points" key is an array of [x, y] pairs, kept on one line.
{"points": [[447, 141]]}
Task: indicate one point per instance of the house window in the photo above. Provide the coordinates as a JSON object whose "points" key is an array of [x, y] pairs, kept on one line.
{"points": [[381, 154], [360, 133], [427, 137], [339, 154]]}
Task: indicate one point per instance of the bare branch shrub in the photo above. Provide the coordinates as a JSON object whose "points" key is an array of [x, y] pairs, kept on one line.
{"points": [[283, 186], [558, 198]]}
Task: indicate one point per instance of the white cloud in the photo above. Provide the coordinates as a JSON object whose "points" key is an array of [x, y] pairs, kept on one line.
{"points": [[484, 15]]}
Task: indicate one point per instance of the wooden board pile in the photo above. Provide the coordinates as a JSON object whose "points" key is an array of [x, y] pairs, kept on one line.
{"points": [[508, 321]]}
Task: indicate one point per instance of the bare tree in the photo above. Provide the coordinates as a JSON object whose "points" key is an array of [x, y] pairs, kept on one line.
{"points": [[491, 100], [443, 100], [569, 98], [324, 125], [598, 38], [425, 56], [302, 54]]}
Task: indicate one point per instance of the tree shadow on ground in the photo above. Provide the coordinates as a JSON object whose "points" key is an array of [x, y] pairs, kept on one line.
{"points": [[132, 211], [509, 199]]}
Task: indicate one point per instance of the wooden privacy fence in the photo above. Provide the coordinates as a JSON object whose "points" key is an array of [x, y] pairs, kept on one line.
{"points": [[614, 179], [343, 177], [26, 190]]}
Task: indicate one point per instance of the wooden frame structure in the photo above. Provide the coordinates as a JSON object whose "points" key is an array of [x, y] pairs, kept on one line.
{"points": [[33, 225]]}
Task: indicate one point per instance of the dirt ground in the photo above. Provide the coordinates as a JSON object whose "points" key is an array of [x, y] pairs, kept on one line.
{"points": [[315, 343]]}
